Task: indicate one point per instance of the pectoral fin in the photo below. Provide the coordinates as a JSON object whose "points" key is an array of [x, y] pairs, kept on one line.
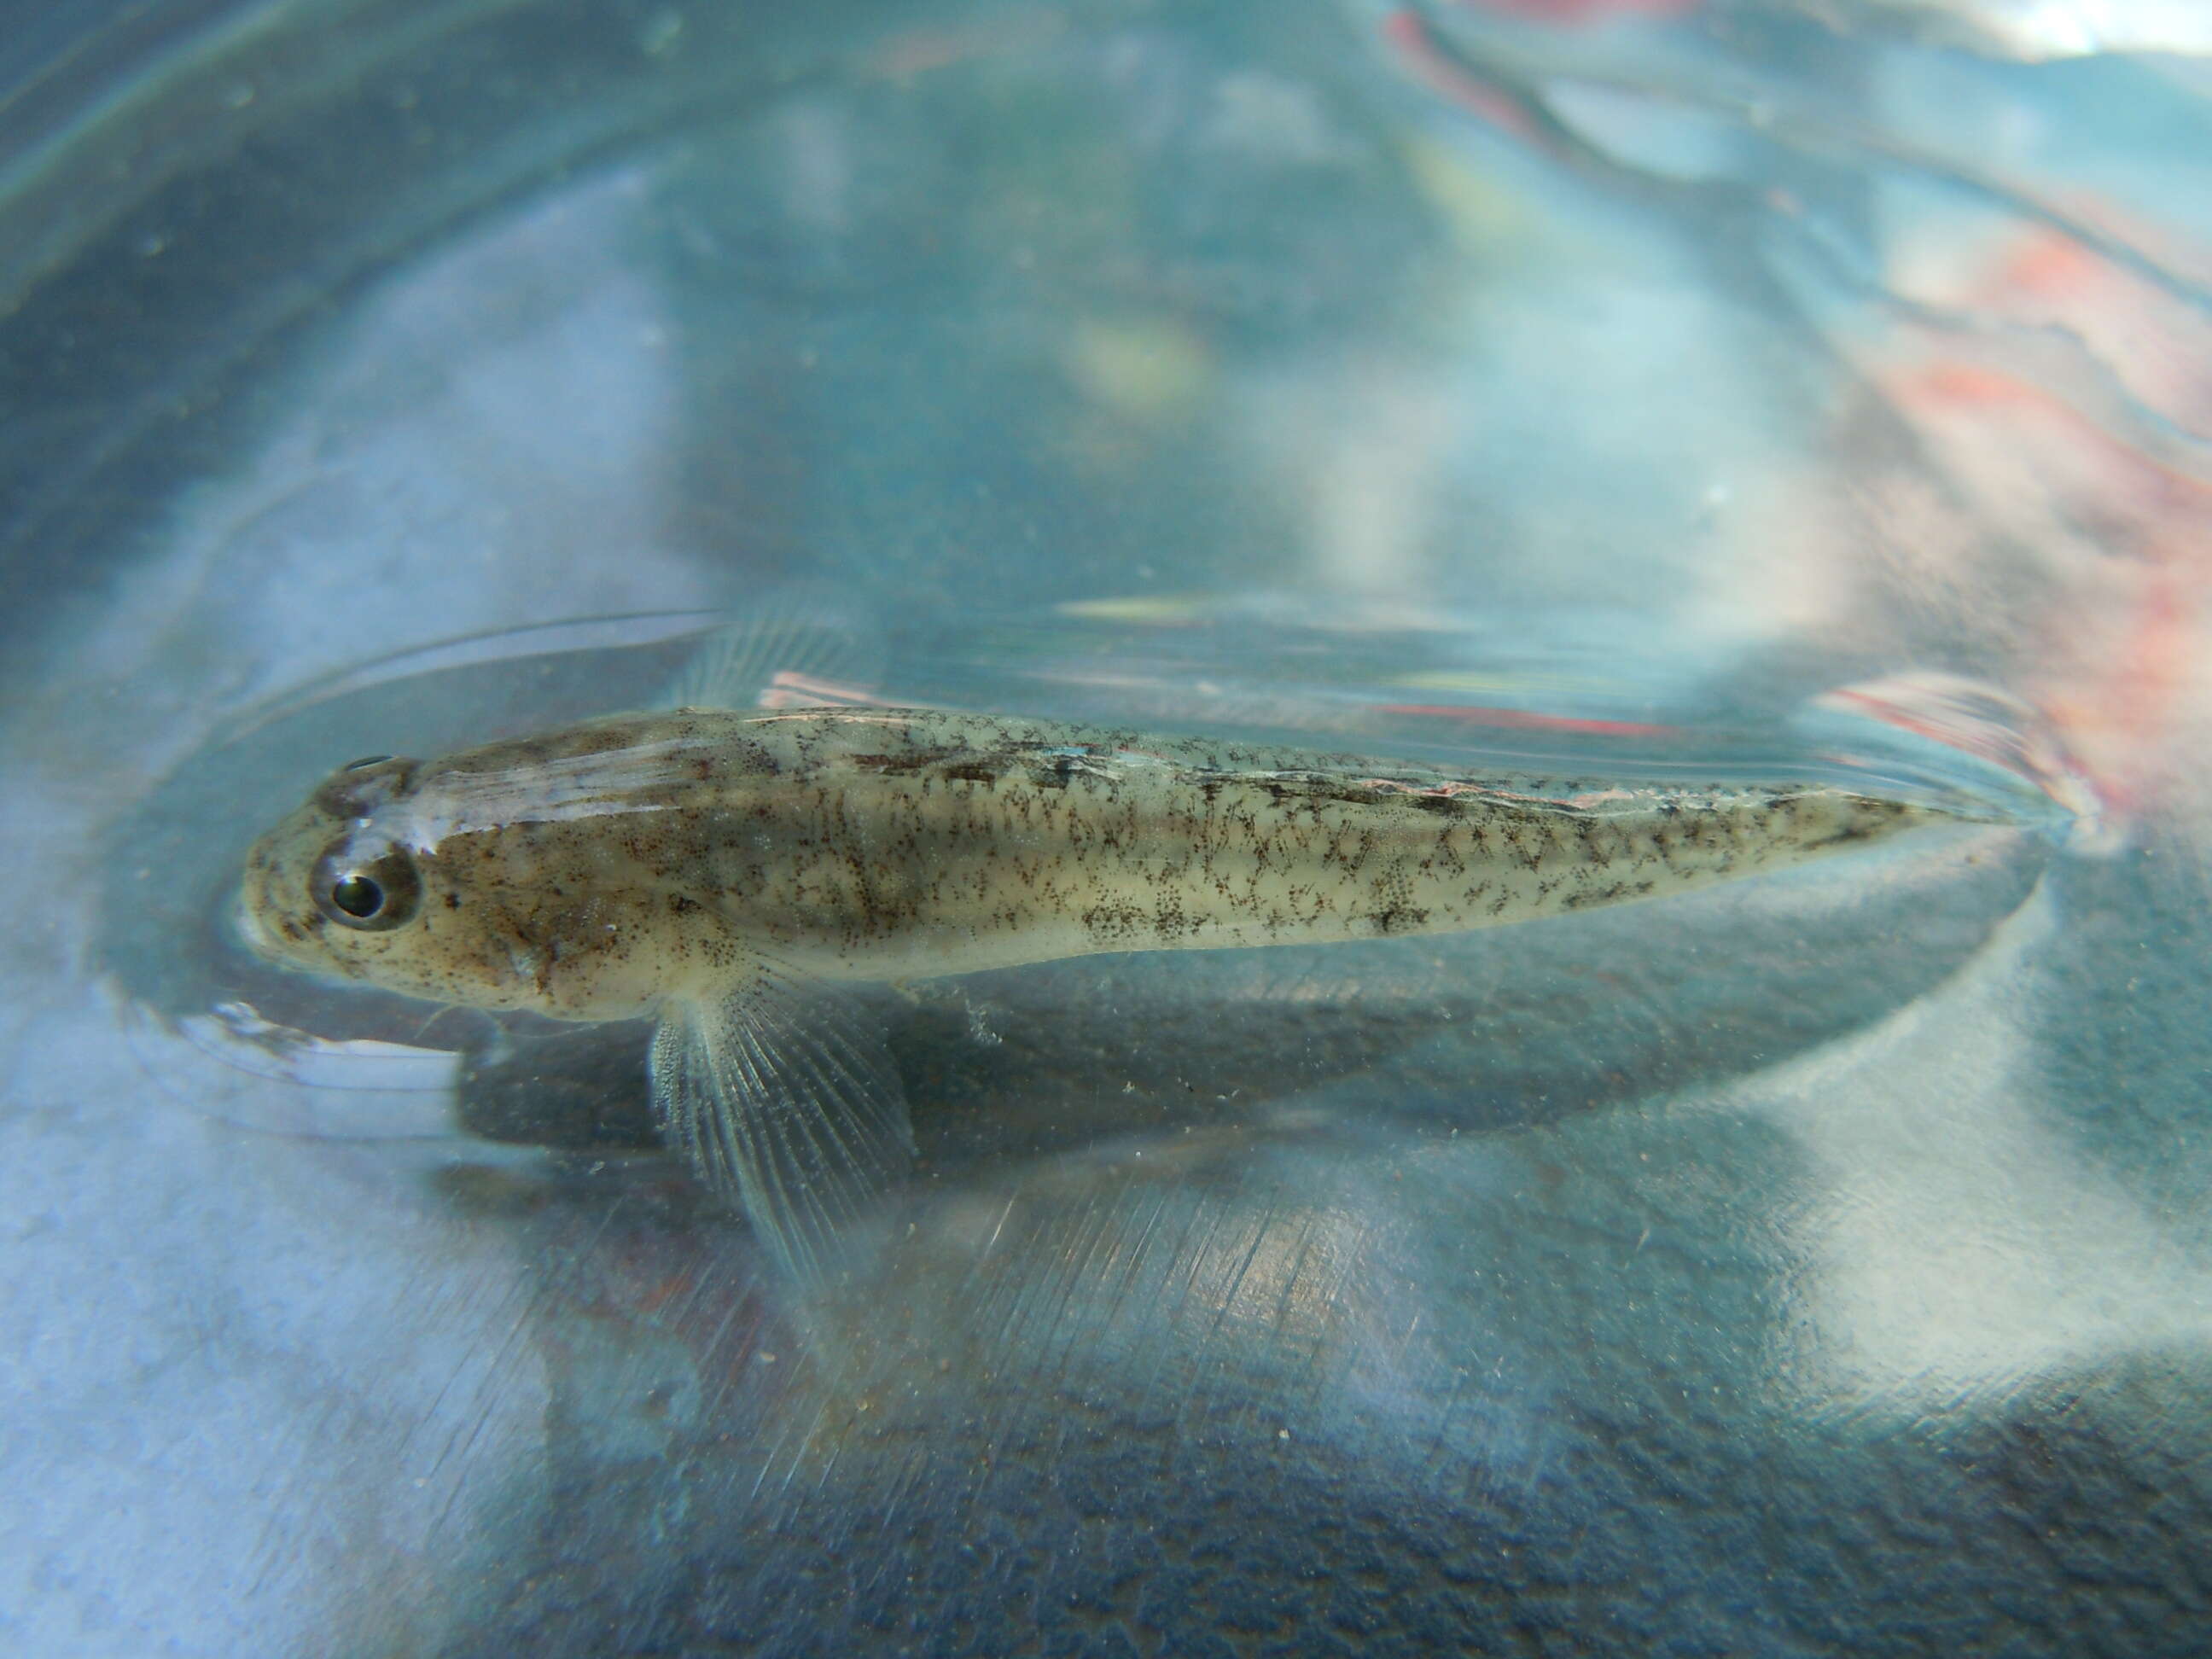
{"points": [[779, 1094]]}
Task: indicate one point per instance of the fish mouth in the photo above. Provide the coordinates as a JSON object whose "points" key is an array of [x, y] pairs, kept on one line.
{"points": [[246, 927]]}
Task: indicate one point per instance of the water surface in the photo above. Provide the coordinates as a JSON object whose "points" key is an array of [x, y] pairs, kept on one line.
{"points": [[1817, 1267]]}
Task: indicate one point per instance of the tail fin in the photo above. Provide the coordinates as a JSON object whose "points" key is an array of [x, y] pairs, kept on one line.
{"points": [[1964, 745]]}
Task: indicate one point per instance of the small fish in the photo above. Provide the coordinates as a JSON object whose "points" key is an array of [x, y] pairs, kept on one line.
{"points": [[722, 871]]}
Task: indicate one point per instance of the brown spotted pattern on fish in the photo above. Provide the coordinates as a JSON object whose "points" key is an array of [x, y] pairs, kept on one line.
{"points": [[719, 870]]}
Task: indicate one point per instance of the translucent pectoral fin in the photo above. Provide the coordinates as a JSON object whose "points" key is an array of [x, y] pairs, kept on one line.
{"points": [[778, 1092]]}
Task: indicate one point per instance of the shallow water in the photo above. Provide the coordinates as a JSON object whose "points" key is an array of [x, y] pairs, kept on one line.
{"points": [[1814, 1265]]}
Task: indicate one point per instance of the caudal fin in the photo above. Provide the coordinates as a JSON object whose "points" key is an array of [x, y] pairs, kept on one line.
{"points": [[1964, 747]]}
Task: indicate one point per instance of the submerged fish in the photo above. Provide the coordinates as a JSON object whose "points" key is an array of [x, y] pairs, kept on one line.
{"points": [[722, 871]]}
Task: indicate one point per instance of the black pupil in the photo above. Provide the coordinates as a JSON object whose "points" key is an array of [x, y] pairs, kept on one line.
{"points": [[357, 895], [364, 762]]}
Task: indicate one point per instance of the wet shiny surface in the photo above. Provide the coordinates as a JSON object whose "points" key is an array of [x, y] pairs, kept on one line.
{"points": [[1817, 1267]]}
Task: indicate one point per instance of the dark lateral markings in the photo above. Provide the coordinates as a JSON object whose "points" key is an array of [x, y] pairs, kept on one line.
{"points": [[1055, 765]]}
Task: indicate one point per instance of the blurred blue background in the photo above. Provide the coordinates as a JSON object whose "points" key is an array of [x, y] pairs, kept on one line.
{"points": [[1816, 1268]]}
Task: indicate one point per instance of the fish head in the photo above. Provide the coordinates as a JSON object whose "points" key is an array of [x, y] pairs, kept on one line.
{"points": [[331, 889], [344, 888], [456, 882]]}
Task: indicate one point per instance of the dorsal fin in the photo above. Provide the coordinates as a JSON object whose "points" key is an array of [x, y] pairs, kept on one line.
{"points": [[794, 649]]}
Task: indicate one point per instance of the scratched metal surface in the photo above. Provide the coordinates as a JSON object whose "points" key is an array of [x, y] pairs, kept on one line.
{"points": [[1817, 1267]]}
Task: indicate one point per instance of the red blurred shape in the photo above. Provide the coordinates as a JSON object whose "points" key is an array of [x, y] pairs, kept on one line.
{"points": [[1521, 719], [1417, 46], [1574, 14]]}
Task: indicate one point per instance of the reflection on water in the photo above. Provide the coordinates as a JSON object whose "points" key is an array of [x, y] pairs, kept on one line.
{"points": [[1654, 389]]}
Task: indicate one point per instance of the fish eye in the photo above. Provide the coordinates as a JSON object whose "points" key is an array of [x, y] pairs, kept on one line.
{"points": [[367, 894], [364, 762], [357, 895]]}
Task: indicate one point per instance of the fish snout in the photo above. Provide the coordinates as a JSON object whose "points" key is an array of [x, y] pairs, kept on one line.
{"points": [[246, 922]]}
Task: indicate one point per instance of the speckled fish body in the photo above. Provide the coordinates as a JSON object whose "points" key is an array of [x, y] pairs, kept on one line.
{"points": [[720, 870], [587, 872]]}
